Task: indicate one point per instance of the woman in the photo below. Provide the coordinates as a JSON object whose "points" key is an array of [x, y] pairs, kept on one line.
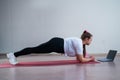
{"points": [[73, 47]]}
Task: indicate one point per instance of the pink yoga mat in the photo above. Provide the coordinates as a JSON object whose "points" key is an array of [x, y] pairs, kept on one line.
{"points": [[44, 63]]}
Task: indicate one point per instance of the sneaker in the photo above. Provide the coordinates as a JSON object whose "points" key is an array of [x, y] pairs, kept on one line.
{"points": [[12, 58]]}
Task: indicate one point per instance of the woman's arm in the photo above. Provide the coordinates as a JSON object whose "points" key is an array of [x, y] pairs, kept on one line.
{"points": [[82, 59]]}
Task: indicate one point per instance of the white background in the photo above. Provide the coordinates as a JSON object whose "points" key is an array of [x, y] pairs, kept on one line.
{"points": [[28, 23]]}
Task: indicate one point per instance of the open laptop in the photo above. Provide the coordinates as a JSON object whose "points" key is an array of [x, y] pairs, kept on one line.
{"points": [[110, 56]]}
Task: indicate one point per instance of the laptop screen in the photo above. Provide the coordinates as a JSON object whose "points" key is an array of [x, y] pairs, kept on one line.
{"points": [[111, 54]]}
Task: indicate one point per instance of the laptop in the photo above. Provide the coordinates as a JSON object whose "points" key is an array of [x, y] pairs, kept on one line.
{"points": [[110, 56]]}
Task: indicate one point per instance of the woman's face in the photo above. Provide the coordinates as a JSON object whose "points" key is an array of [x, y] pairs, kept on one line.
{"points": [[88, 41]]}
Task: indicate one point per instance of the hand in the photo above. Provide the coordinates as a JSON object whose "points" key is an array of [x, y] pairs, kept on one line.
{"points": [[92, 58]]}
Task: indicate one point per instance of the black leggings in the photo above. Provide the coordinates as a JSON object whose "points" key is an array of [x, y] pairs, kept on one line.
{"points": [[54, 45]]}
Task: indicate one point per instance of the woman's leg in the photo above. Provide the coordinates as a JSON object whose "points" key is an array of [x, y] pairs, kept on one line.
{"points": [[53, 45]]}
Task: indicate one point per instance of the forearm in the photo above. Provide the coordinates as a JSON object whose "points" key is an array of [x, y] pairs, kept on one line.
{"points": [[86, 60], [82, 59]]}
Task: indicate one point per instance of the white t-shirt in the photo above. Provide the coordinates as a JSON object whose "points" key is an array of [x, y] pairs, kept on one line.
{"points": [[73, 46]]}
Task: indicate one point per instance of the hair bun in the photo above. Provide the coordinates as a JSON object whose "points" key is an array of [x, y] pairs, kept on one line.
{"points": [[85, 31]]}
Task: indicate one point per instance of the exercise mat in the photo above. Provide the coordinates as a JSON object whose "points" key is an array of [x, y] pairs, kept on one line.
{"points": [[45, 63]]}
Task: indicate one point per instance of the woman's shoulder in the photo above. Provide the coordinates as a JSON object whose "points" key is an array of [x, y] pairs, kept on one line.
{"points": [[76, 39], [72, 38]]}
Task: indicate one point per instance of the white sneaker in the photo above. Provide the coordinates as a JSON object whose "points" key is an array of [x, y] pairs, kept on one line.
{"points": [[12, 58]]}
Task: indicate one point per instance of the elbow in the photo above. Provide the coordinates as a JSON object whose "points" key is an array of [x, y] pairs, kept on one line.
{"points": [[81, 60]]}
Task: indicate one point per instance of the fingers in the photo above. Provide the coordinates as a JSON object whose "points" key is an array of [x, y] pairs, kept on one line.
{"points": [[93, 58]]}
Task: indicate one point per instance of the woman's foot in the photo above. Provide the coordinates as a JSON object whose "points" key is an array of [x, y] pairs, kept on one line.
{"points": [[12, 58]]}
